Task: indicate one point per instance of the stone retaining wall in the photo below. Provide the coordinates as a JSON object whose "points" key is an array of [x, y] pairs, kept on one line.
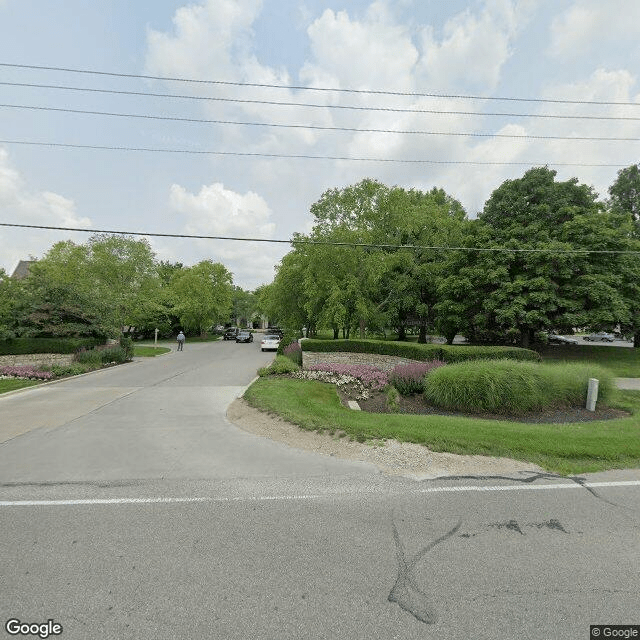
{"points": [[36, 359], [385, 363]]}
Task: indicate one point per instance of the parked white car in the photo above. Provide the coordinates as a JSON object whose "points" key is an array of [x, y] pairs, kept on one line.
{"points": [[270, 342]]}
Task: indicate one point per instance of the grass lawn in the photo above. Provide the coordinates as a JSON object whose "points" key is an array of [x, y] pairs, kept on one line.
{"points": [[11, 384], [145, 351], [561, 448], [624, 362]]}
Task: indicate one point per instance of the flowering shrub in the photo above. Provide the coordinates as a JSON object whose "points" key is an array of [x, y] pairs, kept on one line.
{"points": [[358, 390], [369, 376], [409, 378], [294, 352], [26, 372]]}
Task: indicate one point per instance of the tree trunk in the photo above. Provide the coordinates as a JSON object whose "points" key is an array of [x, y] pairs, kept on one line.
{"points": [[636, 340], [402, 335], [422, 336], [525, 338], [336, 332], [362, 326]]}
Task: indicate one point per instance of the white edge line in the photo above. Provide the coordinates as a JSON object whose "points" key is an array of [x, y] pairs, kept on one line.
{"points": [[186, 500]]}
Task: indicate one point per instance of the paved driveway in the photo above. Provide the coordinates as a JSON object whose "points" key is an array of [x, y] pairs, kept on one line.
{"points": [[131, 508]]}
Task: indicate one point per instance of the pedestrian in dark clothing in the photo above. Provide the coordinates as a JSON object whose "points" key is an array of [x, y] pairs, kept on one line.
{"points": [[181, 339]]}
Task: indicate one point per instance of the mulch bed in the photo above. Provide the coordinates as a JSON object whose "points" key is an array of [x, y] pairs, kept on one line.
{"points": [[416, 405]]}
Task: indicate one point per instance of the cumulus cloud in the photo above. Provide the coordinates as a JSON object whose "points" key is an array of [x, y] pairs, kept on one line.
{"points": [[21, 205], [217, 211], [590, 23]]}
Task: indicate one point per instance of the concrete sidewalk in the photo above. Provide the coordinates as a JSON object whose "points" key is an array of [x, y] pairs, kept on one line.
{"points": [[632, 384]]}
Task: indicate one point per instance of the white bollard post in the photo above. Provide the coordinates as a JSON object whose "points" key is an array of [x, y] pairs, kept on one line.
{"points": [[155, 342], [592, 394]]}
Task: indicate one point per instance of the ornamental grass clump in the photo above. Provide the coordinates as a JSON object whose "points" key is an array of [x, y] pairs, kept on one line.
{"points": [[409, 378], [294, 352], [514, 388], [25, 372], [369, 376]]}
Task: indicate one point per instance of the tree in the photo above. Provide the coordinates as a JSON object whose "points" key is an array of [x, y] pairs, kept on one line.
{"points": [[540, 266], [625, 192], [111, 281], [625, 199], [202, 295]]}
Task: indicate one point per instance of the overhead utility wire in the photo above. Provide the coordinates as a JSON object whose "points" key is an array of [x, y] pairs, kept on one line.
{"points": [[315, 106], [312, 126], [304, 156], [307, 88], [316, 242]]}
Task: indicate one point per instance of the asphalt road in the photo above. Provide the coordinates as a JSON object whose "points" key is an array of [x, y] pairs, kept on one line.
{"points": [[131, 508]]}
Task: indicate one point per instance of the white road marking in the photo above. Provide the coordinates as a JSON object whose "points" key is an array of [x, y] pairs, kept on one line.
{"points": [[160, 500]]}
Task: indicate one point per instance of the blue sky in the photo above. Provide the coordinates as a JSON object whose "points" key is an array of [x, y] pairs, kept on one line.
{"points": [[580, 50]]}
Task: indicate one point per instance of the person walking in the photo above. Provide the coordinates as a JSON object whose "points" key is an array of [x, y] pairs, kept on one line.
{"points": [[181, 339]]}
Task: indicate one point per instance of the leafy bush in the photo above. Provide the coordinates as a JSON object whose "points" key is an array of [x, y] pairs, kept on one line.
{"points": [[126, 343], [508, 387], [409, 378], [26, 372], [393, 399], [19, 346], [370, 377], [294, 352], [100, 356], [421, 352], [280, 365], [75, 369]]}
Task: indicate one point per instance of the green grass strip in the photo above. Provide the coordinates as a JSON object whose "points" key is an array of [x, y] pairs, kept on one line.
{"points": [[12, 384], [149, 352], [561, 448]]}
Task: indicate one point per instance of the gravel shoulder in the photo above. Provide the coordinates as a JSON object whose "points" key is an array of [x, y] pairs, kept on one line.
{"points": [[391, 457]]}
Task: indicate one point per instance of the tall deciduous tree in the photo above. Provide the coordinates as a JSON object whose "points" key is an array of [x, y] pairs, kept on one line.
{"points": [[540, 267], [202, 295]]}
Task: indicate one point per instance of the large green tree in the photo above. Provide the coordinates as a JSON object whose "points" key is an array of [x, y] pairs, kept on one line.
{"points": [[625, 200], [538, 259], [202, 295]]}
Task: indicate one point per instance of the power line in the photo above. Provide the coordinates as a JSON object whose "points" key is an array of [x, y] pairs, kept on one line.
{"points": [[318, 106], [319, 242], [293, 156], [318, 89], [147, 116]]}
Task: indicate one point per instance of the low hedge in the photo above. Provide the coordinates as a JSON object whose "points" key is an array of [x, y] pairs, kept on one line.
{"points": [[509, 387], [421, 352], [21, 346]]}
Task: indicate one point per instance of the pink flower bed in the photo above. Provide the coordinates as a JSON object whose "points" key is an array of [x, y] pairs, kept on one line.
{"points": [[369, 376], [25, 371]]}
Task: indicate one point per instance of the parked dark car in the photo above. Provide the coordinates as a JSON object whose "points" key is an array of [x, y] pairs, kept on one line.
{"points": [[275, 331], [244, 336], [231, 333]]}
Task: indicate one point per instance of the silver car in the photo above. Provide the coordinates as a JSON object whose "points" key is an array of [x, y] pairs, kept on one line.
{"points": [[601, 336]]}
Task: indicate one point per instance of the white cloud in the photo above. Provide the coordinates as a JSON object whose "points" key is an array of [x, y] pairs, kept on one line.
{"points": [[474, 47], [589, 24], [21, 205], [217, 211], [208, 36]]}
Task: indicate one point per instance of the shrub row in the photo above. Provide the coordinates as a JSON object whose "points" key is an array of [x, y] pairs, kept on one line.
{"points": [[20, 346], [508, 387], [423, 352]]}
